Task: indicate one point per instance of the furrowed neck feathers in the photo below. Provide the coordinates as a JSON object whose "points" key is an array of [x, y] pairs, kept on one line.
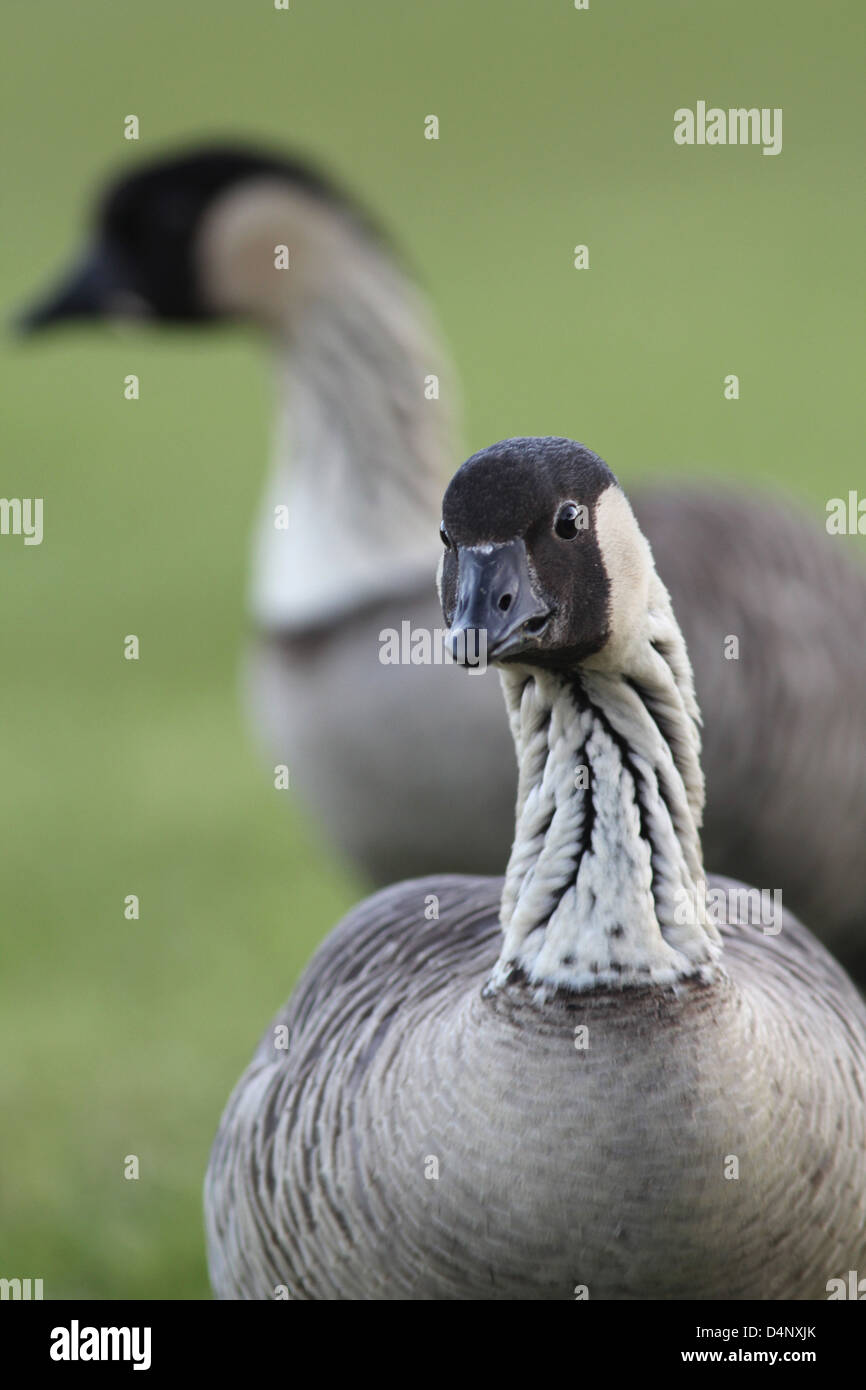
{"points": [[605, 884]]}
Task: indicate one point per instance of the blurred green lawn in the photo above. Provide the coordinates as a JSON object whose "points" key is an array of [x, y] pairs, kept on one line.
{"points": [[556, 128]]}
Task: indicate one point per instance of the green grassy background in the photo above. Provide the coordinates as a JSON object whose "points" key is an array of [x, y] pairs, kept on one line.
{"points": [[556, 128]]}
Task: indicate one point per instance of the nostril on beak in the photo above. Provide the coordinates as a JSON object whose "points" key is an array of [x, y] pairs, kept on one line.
{"points": [[505, 602]]}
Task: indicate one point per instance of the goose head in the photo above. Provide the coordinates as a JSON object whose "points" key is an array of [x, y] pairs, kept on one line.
{"points": [[543, 558], [190, 239]]}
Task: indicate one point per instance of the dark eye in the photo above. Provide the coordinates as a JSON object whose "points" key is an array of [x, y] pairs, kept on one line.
{"points": [[569, 520], [446, 539]]}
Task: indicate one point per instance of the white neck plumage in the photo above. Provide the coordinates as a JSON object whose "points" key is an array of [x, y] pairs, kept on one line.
{"points": [[363, 441], [605, 881]]}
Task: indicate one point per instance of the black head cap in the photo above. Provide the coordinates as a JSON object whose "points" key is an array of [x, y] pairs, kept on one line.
{"points": [[524, 561], [145, 231]]}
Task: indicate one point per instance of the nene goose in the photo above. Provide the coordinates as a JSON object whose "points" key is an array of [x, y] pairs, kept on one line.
{"points": [[578, 1080], [361, 458]]}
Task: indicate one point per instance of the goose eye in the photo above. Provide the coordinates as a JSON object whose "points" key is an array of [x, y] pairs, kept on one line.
{"points": [[446, 539], [566, 524]]}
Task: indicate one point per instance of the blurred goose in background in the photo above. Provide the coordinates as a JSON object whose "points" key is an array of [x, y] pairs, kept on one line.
{"points": [[596, 1075], [409, 767]]}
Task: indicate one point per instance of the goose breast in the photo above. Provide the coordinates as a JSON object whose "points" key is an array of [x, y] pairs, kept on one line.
{"points": [[420, 1140]]}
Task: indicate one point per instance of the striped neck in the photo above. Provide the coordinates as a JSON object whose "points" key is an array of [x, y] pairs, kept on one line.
{"points": [[605, 884]]}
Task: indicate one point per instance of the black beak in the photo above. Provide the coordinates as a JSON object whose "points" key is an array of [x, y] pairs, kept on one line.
{"points": [[85, 294], [498, 612]]}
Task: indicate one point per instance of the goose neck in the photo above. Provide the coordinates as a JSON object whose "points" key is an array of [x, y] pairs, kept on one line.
{"points": [[605, 884], [365, 428]]}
